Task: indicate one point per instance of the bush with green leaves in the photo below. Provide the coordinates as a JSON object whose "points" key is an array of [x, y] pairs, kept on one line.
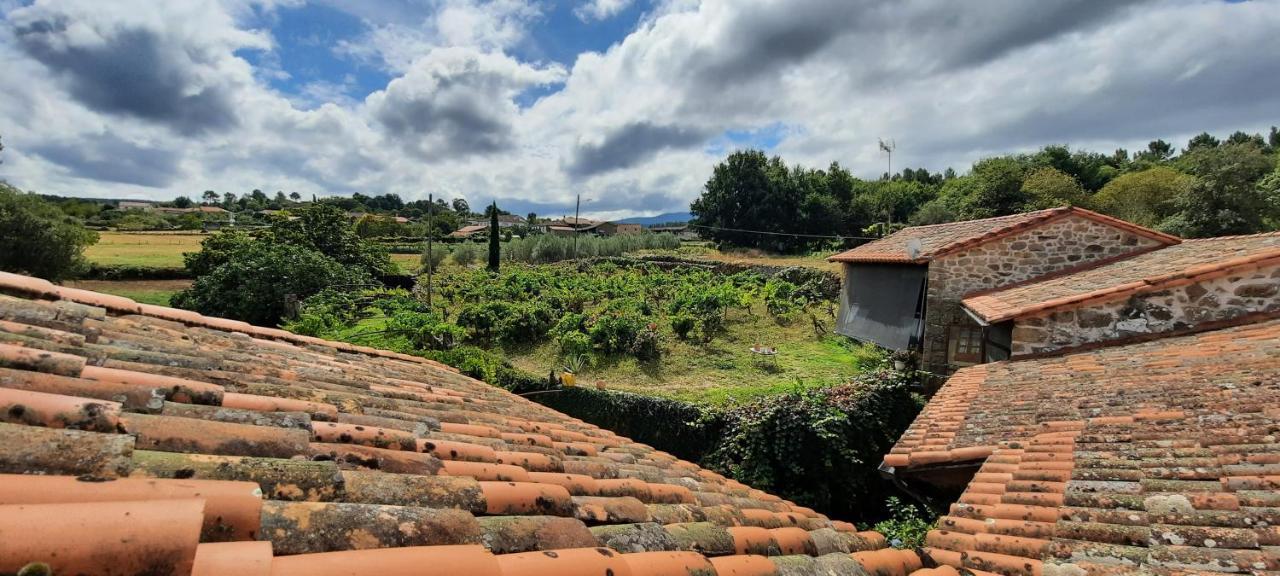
{"points": [[574, 344], [781, 299], [906, 526], [466, 253], [426, 331], [38, 239], [259, 279], [682, 324]]}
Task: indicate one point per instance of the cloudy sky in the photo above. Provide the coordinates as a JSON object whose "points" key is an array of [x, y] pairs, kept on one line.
{"points": [[628, 102]]}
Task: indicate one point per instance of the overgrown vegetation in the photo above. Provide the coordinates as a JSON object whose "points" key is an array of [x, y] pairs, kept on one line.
{"points": [[255, 277], [1211, 188], [820, 446], [38, 239], [906, 526]]}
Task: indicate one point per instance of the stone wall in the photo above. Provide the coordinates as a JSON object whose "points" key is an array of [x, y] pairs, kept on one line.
{"points": [[1060, 244], [1180, 308]]}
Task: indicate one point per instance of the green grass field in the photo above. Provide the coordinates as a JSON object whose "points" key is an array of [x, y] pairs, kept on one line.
{"points": [[157, 250], [145, 291]]}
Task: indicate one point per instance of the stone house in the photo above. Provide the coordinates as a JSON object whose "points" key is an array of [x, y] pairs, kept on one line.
{"points": [[904, 291], [1195, 285]]}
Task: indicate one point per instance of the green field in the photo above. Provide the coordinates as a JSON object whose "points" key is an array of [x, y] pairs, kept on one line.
{"points": [[156, 250], [145, 291]]}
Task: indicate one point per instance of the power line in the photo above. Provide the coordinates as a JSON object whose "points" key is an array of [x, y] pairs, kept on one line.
{"points": [[781, 233]]}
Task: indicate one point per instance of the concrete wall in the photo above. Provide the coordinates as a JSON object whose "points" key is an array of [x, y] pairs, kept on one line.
{"points": [[1184, 307], [1060, 244]]}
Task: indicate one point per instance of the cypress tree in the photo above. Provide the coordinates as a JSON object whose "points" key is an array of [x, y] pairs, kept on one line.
{"points": [[494, 249]]}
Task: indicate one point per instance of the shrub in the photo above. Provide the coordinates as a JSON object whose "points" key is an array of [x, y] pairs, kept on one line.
{"points": [[426, 331], [780, 298], [682, 325], [905, 527], [255, 283], [574, 344], [647, 344], [615, 329], [36, 238], [506, 322], [466, 254], [438, 254]]}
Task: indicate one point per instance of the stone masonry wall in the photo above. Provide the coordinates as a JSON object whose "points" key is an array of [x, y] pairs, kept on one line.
{"points": [[1060, 244], [1179, 308]]}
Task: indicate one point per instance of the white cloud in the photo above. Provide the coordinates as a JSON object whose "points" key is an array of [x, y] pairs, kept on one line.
{"points": [[601, 9], [631, 127]]}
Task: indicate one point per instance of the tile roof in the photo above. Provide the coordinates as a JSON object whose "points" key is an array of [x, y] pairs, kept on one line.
{"points": [[940, 239], [141, 439], [982, 406], [1190, 261], [1154, 458]]}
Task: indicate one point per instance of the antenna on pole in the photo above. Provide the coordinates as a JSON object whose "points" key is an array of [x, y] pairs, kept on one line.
{"points": [[888, 148]]}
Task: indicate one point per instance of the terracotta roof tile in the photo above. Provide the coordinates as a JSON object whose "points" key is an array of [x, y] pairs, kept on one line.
{"points": [[194, 436], [941, 239], [1150, 458], [1150, 272]]}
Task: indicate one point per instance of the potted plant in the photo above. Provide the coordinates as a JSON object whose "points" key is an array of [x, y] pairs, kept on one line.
{"points": [[902, 358], [572, 366]]}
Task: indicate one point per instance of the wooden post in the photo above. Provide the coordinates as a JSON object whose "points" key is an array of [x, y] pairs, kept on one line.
{"points": [[430, 232]]}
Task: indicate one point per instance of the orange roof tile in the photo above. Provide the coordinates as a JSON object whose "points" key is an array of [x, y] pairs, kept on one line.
{"points": [[156, 440], [1158, 457], [940, 239], [985, 407], [1189, 261]]}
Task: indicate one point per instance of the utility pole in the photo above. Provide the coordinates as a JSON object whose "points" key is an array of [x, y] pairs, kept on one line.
{"points": [[576, 206], [430, 232]]}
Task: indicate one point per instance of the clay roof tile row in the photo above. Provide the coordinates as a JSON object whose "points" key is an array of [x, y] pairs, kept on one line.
{"points": [[1152, 458], [160, 441]]}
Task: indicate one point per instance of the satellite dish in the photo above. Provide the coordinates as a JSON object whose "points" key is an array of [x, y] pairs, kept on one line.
{"points": [[913, 248]]}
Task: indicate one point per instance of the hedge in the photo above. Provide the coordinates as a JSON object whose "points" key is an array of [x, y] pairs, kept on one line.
{"points": [[683, 429], [134, 272]]}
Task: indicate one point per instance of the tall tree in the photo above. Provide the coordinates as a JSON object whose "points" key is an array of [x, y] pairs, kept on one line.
{"points": [[1202, 140], [461, 207], [998, 188], [295, 196], [1049, 188], [209, 197], [182, 202], [1146, 198], [495, 247], [1225, 198]]}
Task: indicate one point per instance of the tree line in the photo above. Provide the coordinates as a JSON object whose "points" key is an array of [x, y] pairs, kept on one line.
{"points": [[1211, 187]]}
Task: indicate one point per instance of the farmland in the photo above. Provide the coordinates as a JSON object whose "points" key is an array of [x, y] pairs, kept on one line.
{"points": [[685, 333], [143, 249]]}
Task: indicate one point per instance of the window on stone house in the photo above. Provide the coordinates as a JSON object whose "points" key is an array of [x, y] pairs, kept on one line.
{"points": [[964, 345]]}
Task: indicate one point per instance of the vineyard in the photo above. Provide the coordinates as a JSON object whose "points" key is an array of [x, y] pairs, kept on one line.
{"points": [[682, 332]]}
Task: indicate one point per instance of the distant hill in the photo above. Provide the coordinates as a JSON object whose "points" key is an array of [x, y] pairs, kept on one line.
{"points": [[659, 219]]}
